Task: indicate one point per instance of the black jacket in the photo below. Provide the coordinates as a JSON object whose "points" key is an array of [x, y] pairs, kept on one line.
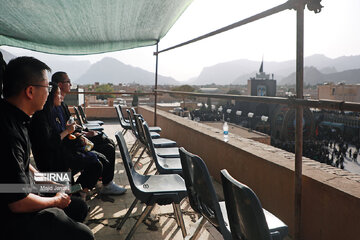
{"points": [[50, 152]]}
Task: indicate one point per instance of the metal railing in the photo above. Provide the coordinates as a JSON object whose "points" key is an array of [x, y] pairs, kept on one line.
{"points": [[298, 5]]}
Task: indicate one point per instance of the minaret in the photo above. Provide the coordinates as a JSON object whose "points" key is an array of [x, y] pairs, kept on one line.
{"points": [[261, 70]]}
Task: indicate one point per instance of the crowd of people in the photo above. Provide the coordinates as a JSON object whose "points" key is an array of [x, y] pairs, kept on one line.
{"points": [[35, 119], [330, 152]]}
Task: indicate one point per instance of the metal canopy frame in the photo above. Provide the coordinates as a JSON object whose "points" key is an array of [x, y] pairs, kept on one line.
{"points": [[298, 6]]}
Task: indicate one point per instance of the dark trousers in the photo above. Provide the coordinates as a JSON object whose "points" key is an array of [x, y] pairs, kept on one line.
{"points": [[51, 223], [106, 147], [90, 167], [100, 162]]}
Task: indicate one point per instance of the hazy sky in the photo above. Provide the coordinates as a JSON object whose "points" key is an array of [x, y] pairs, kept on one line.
{"points": [[334, 32]]}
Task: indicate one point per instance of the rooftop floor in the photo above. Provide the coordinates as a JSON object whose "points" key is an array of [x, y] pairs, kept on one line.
{"points": [[107, 211]]}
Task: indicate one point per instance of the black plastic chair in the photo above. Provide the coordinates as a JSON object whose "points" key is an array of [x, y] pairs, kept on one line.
{"points": [[164, 152], [152, 129], [93, 127], [139, 143], [83, 116], [125, 124], [202, 196], [151, 190], [248, 220], [134, 129], [163, 165], [158, 142]]}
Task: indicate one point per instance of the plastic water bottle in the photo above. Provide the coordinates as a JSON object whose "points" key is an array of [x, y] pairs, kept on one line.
{"points": [[226, 132]]}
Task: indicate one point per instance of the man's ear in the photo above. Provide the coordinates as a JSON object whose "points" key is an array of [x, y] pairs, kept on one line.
{"points": [[29, 92], [60, 85]]}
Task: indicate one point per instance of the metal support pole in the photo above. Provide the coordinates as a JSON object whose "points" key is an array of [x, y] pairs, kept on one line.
{"points": [[299, 115], [156, 82]]}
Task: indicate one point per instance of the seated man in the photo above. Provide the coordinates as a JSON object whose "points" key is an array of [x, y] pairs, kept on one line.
{"points": [[54, 151], [26, 215], [102, 144]]}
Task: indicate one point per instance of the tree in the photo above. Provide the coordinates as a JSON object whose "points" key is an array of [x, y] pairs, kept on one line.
{"points": [[183, 88], [104, 88], [233, 92]]}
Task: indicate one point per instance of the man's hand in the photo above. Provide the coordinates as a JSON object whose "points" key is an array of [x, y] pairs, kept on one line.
{"points": [[70, 128], [91, 133], [62, 200]]}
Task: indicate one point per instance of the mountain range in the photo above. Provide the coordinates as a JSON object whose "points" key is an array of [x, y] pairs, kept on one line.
{"points": [[110, 70], [318, 69], [75, 68], [313, 76], [239, 71]]}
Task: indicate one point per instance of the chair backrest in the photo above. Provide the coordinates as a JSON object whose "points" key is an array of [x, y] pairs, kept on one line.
{"points": [[78, 116], [148, 140], [82, 114], [245, 214], [201, 190], [140, 129], [134, 178], [132, 124], [121, 118]]}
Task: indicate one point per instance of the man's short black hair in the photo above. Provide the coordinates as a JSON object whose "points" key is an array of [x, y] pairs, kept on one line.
{"points": [[22, 72], [58, 77]]}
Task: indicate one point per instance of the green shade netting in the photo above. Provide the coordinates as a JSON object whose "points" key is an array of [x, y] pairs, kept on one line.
{"points": [[86, 26]]}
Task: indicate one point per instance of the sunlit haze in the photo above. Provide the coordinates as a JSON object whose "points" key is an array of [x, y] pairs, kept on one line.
{"points": [[333, 32]]}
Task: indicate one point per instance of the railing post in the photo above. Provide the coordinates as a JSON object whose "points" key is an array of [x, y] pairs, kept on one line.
{"points": [[299, 115], [156, 82]]}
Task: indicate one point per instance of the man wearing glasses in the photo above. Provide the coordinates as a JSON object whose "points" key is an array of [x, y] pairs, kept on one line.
{"points": [[26, 215], [103, 145]]}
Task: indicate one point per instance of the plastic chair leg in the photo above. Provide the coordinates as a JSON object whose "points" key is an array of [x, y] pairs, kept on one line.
{"points": [[148, 168], [119, 226], [144, 214], [124, 131], [139, 158], [199, 225], [133, 147], [180, 219], [176, 214]]}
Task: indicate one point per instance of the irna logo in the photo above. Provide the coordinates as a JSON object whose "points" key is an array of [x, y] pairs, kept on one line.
{"points": [[52, 176]]}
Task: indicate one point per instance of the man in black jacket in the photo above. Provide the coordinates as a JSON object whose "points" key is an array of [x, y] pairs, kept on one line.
{"points": [[25, 215], [102, 144]]}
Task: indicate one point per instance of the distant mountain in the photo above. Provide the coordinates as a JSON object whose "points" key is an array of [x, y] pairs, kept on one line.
{"points": [[328, 70], [313, 76], [242, 80], [75, 68], [110, 70], [235, 72], [225, 73], [348, 76]]}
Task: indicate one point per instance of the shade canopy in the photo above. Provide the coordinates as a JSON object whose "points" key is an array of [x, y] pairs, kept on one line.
{"points": [[86, 26]]}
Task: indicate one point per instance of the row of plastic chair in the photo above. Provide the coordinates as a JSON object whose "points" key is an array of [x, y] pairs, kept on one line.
{"points": [[247, 218], [169, 188], [240, 216], [151, 190], [84, 123]]}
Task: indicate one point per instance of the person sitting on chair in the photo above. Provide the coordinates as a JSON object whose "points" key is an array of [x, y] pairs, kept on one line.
{"points": [[55, 151], [26, 215], [102, 144]]}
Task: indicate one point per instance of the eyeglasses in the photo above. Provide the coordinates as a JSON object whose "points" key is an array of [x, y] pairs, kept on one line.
{"points": [[49, 87]]}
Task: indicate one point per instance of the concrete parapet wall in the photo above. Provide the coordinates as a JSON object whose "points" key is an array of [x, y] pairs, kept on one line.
{"points": [[102, 112], [330, 197]]}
